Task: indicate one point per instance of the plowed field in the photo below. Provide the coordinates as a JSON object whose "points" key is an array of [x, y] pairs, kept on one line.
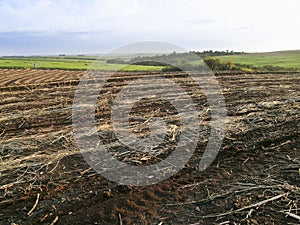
{"points": [[255, 178]]}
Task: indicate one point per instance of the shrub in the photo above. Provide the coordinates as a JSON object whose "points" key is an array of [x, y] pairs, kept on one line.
{"points": [[212, 63], [216, 64]]}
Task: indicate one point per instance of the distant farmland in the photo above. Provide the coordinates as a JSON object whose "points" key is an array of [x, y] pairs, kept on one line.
{"points": [[285, 59], [70, 63]]}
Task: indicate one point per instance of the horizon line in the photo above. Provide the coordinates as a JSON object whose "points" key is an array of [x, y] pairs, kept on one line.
{"points": [[139, 53]]}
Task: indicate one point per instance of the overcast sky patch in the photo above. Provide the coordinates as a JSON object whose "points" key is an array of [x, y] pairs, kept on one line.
{"points": [[96, 26]]}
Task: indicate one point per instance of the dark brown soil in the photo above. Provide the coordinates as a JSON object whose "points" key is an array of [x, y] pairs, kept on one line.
{"points": [[259, 159]]}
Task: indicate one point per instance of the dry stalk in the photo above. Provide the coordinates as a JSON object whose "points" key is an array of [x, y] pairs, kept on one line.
{"points": [[54, 221], [120, 219], [35, 204], [292, 215], [247, 207]]}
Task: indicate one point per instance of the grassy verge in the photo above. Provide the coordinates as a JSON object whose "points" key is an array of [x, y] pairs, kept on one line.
{"points": [[74, 63]]}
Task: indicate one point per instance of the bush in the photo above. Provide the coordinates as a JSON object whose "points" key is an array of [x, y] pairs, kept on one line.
{"points": [[212, 63], [216, 64]]}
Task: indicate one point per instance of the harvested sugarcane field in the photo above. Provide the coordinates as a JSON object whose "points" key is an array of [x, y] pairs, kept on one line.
{"points": [[254, 179]]}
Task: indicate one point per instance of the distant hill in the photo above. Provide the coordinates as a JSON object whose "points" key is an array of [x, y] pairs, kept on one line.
{"points": [[278, 53]]}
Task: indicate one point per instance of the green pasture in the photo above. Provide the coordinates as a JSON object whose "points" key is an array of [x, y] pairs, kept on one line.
{"points": [[70, 62], [285, 59]]}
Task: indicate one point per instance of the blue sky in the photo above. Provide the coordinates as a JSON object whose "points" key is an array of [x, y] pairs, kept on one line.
{"points": [[97, 26]]}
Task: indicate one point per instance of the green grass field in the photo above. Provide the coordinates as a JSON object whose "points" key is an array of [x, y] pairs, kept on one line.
{"points": [[70, 62], [285, 59]]}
